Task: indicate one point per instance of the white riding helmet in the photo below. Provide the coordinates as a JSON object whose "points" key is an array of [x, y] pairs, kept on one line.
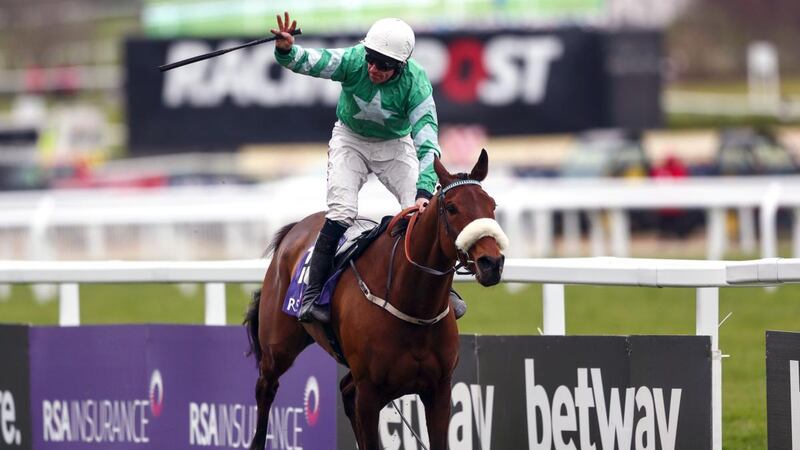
{"points": [[391, 37]]}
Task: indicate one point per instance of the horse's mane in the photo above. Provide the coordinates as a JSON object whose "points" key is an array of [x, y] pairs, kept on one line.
{"points": [[278, 238]]}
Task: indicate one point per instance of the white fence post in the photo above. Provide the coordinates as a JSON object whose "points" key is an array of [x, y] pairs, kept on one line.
{"points": [[69, 309], [543, 232], [768, 221], [620, 233], [572, 233], [747, 230], [553, 309], [716, 237], [796, 233], [215, 304], [597, 233], [707, 317]]}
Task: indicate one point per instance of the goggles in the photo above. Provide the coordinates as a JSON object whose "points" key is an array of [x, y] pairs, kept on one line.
{"points": [[381, 62]]}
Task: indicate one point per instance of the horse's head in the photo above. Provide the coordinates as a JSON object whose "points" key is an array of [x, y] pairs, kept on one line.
{"points": [[468, 227]]}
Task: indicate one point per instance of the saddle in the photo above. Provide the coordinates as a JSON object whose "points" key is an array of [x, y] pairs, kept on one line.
{"points": [[356, 240], [352, 245]]}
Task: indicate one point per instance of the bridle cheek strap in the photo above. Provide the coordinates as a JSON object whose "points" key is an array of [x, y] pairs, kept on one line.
{"points": [[480, 228]]}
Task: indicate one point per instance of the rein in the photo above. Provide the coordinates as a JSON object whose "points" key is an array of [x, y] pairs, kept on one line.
{"points": [[413, 211]]}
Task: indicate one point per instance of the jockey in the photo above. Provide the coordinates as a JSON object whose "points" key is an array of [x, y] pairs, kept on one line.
{"points": [[386, 125]]}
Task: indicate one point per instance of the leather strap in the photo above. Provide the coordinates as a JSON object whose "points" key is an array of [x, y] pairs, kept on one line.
{"points": [[384, 304]]}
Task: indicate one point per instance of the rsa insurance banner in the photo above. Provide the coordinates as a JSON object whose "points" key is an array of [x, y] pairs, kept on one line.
{"points": [[169, 387], [15, 416], [783, 390], [511, 82]]}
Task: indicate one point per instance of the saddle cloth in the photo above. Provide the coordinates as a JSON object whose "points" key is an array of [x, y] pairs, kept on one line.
{"points": [[354, 242]]}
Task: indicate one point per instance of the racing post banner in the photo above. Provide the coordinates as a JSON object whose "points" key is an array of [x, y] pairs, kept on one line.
{"points": [[783, 390], [508, 81], [169, 387], [15, 416]]}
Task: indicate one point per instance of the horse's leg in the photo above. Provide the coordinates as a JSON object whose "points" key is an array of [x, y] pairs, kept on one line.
{"points": [[266, 388], [276, 360], [348, 389], [367, 409], [437, 414]]}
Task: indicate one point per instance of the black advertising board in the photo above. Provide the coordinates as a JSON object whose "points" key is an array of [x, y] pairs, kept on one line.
{"points": [[544, 392], [655, 389], [783, 390], [509, 81], [15, 415]]}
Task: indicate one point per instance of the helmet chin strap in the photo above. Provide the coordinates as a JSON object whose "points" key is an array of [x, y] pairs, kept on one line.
{"points": [[398, 71]]}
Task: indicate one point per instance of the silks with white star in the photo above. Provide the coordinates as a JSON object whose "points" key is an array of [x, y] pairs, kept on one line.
{"points": [[389, 110]]}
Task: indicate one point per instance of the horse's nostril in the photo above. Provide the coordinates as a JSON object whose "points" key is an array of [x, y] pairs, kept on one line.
{"points": [[487, 263]]}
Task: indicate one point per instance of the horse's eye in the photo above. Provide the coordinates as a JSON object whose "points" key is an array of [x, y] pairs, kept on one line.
{"points": [[451, 208]]}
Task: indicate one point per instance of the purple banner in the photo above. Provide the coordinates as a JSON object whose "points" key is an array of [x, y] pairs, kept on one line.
{"points": [[170, 387]]}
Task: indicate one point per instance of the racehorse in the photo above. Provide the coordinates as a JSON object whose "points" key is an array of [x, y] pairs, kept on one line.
{"points": [[404, 344]]}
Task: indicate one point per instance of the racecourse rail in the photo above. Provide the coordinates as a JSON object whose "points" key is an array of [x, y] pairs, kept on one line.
{"points": [[164, 223], [706, 276]]}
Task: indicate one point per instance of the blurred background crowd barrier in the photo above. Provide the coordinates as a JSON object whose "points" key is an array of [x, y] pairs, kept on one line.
{"points": [[543, 217], [614, 127]]}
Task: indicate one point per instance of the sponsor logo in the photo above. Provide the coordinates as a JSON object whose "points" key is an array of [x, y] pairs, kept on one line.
{"points": [[311, 401], [156, 393], [503, 70], [794, 394], [472, 410], [103, 421], [233, 425], [222, 425], [553, 421], [9, 434]]}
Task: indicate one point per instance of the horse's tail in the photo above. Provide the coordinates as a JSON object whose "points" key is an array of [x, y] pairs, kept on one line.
{"points": [[251, 318], [278, 238], [251, 322]]}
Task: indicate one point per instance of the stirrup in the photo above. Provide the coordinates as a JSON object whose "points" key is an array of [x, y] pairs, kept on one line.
{"points": [[312, 311], [458, 304], [315, 312]]}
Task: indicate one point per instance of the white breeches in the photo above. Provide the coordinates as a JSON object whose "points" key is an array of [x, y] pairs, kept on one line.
{"points": [[352, 157]]}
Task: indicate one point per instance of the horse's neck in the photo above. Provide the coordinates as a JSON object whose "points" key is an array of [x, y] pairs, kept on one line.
{"points": [[415, 292]]}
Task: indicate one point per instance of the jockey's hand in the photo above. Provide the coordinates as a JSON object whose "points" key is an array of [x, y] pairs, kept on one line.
{"points": [[284, 29], [422, 203]]}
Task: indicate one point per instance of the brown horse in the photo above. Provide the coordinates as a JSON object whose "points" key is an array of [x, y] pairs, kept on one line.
{"points": [[408, 346]]}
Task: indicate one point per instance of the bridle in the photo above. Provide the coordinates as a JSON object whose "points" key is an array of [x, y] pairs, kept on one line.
{"points": [[413, 211], [463, 261]]}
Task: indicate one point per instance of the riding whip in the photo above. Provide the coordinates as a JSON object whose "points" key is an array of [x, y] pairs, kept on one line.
{"points": [[202, 57]]}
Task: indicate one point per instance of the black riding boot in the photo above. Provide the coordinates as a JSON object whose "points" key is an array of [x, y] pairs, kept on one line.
{"points": [[457, 303], [318, 271]]}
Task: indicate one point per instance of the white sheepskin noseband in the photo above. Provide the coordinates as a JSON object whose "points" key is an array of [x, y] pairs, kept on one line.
{"points": [[479, 228]]}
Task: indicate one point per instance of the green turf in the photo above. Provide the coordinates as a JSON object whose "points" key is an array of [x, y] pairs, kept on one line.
{"points": [[589, 309]]}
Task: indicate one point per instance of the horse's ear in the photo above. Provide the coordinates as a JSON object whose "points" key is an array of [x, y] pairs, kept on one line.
{"points": [[481, 167], [444, 176]]}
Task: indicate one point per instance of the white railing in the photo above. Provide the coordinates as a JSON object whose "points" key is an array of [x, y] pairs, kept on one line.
{"points": [[706, 276], [224, 222]]}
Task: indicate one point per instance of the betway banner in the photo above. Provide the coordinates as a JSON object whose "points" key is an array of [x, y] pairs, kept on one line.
{"points": [[510, 82], [783, 390], [574, 392]]}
